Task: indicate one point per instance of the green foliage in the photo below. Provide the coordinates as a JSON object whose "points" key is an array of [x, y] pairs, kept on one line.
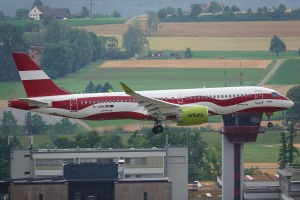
{"points": [[162, 14], [204, 161], [253, 171], [293, 113], [5, 156], [64, 126], [115, 14], [21, 13], [214, 7], [31, 27], [85, 12], [152, 22], [135, 40], [88, 140], [91, 88], [11, 40], [232, 14], [111, 141], [37, 3], [287, 150], [57, 59], [9, 123], [277, 45], [195, 11]]}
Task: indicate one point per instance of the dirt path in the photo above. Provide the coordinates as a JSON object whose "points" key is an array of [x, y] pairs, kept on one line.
{"points": [[272, 71]]}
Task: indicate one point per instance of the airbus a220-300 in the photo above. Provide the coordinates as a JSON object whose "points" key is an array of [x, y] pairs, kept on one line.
{"points": [[185, 106]]}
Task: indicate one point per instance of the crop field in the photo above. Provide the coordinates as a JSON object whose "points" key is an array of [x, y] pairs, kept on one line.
{"points": [[288, 73], [220, 36]]}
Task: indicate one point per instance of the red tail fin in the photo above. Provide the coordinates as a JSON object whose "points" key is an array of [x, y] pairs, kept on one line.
{"points": [[35, 81]]}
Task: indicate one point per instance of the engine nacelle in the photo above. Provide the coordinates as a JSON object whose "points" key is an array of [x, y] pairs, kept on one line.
{"points": [[192, 116]]}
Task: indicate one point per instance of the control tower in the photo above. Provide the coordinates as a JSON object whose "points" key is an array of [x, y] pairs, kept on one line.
{"points": [[238, 129]]}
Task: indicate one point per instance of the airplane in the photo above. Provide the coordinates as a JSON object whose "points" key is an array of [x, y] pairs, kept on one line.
{"points": [[185, 106]]}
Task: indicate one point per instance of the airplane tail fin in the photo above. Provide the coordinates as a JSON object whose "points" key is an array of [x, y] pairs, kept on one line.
{"points": [[35, 81]]}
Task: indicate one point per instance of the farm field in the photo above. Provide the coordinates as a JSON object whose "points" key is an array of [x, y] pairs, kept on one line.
{"points": [[288, 73], [219, 36], [212, 29]]}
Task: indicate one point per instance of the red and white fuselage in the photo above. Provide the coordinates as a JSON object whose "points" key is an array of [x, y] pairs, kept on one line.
{"points": [[44, 96]]}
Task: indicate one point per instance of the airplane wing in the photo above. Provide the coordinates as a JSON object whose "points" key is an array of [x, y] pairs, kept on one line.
{"points": [[33, 102], [156, 108]]}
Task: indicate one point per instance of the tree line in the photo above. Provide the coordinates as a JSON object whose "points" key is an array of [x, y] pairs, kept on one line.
{"points": [[66, 49], [218, 13]]}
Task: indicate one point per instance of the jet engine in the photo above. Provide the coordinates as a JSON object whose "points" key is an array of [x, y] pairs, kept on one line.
{"points": [[192, 116]]}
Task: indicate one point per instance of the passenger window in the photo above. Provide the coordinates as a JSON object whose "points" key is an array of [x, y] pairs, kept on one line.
{"points": [[222, 96], [214, 96], [218, 96]]}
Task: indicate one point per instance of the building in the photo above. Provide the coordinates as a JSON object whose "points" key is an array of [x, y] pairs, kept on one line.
{"points": [[140, 165], [58, 13], [35, 52], [289, 182]]}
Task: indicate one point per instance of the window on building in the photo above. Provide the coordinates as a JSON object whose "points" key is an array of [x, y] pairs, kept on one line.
{"points": [[145, 196]]}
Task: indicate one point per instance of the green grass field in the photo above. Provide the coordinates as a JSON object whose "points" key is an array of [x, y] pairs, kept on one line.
{"points": [[288, 73], [72, 22]]}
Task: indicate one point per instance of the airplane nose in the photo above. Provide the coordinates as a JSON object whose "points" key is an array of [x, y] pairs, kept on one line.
{"points": [[291, 104]]}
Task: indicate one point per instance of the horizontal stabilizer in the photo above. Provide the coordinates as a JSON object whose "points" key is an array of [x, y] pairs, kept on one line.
{"points": [[33, 102]]}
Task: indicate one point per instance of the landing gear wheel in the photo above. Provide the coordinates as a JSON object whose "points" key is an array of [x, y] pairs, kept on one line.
{"points": [[157, 129], [270, 124]]}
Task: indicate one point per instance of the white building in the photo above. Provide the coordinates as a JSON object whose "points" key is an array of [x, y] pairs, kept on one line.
{"points": [[59, 13]]}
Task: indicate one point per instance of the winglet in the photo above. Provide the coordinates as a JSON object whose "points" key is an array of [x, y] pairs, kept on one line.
{"points": [[127, 89]]}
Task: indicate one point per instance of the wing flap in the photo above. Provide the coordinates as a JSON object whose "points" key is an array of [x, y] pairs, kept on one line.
{"points": [[155, 107]]}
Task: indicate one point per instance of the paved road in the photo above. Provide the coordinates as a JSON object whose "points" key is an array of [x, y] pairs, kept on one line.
{"points": [[271, 72]]}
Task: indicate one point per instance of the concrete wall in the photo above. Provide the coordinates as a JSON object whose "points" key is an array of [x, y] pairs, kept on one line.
{"points": [[21, 164], [177, 171], [143, 190]]}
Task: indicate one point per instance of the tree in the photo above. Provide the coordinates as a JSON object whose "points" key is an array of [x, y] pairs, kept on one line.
{"points": [[31, 27], [37, 3], [64, 126], [152, 22], [116, 14], [293, 113], [88, 140], [170, 10], [106, 87], [57, 59], [277, 45], [11, 40], [234, 8], [283, 151], [90, 88], [85, 12], [2, 15], [111, 141], [9, 123], [196, 10], [287, 150], [162, 14], [21, 13], [179, 12], [215, 7], [134, 40]]}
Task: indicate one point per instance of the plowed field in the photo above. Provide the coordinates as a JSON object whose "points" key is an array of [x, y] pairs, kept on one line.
{"points": [[212, 29], [187, 64]]}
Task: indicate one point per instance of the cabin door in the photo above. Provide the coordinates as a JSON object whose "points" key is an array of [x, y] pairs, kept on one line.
{"points": [[259, 97], [73, 105]]}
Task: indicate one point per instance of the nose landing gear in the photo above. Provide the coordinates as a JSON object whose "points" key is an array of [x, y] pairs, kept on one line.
{"points": [[270, 124]]}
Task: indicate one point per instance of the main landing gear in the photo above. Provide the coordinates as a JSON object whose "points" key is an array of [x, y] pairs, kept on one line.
{"points": [[270, 124], [158, 128]]}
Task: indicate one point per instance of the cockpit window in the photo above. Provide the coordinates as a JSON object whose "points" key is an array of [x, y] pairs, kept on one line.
{"points": [[275, 94]]}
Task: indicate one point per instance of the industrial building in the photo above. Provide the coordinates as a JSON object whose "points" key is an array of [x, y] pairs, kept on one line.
{"points": [[157, 173]]}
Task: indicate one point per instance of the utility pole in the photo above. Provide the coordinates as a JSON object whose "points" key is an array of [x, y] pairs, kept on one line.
{"points": [[91, 8]]}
